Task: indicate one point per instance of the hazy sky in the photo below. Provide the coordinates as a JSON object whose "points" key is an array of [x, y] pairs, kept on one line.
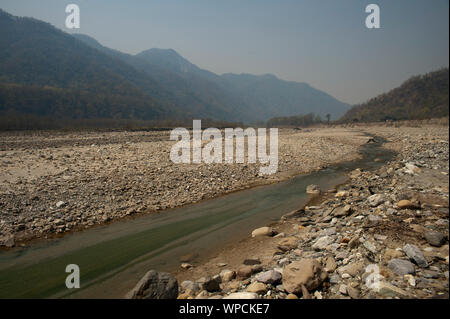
{"points": [[322, 42]]}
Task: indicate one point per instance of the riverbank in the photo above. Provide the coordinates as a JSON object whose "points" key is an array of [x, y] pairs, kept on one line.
{"points": [[54, 183], [384, 234]]}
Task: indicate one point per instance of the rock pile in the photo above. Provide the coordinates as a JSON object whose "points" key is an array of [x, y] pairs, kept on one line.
{"points": [[384, 234]]}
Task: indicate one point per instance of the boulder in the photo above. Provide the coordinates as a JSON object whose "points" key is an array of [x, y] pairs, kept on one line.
{"points": [[263, 231], [435, 238], [210, 284], [322, 243], [416, 255], [401, 267], [305, 272], [288, 243], [227, 275], [244, 272], [352, 269], [257, 287], [155, 285], [269, 277]]}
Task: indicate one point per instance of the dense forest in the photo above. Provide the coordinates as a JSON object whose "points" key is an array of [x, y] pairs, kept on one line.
{"points": [[297, 120], [420, 97]]}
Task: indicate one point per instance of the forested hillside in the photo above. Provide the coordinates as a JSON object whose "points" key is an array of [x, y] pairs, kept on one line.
{"points": [[420, 97], [45, 72]]}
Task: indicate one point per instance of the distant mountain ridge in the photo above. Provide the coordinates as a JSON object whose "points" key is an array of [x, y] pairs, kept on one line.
{"points": [[420, 97], [44, 70]]}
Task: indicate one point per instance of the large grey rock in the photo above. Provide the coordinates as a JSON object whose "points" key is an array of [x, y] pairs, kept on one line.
{"points": [[401, 267], [414, 253], [435, 238], [155, 285], [269, 277], [322, 243], [305, 272]]}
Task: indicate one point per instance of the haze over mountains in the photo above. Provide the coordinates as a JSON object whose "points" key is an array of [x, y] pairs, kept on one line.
{"points": [[47, 72]]}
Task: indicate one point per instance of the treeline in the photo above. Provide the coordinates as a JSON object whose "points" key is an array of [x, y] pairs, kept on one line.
{"points": [[75, 103], [297, 120], [420, 97], [13, 121]]}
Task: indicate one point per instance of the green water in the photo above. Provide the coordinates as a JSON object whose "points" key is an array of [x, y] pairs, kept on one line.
{"points": [[112, 258]]}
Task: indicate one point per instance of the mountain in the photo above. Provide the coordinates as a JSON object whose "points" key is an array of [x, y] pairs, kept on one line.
{"points": [[263, 96], [39, 58], [269, 96], [47, 72], [189, 84], [420, 97]]}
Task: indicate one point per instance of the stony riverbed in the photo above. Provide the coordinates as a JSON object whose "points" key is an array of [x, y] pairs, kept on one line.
{"points": [[384, 234], [52, 183]]}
